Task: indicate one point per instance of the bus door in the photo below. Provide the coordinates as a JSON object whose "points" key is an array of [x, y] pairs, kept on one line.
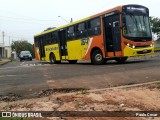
{"points": [[63, 44], [112, 34], [41, 48]]}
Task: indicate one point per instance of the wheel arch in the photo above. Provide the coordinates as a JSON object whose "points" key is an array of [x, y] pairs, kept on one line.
{"points": [[51, 53], [95, 48]]}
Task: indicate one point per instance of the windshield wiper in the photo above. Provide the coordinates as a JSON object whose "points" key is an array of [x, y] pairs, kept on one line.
{"points": [[134, 20]]}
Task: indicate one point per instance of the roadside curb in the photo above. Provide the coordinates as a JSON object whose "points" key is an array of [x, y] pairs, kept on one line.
{"points": [[87, 91], [111, 88], [4, 62], [124, 86]]}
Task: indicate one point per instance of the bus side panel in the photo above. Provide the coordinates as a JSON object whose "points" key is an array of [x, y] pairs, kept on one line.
{"points": [[86, 44], [74, 49], [77, 49], [52, 49], [94, 42]]}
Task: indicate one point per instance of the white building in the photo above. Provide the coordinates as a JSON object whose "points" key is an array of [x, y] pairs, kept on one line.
{"points": [[2, 49], [7, 52]]}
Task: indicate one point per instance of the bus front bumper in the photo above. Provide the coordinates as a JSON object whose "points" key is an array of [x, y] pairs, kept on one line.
{"points": [[130, 52]]}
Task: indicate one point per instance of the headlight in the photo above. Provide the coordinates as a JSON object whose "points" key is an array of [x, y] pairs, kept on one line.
{"points": [[151, 45], [129, 45], [133, 46]]}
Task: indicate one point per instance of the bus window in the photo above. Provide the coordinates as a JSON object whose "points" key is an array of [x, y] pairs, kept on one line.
{"points": [[47, 39], [53, 37], [81, 30], [70, 33], [94, 27]]}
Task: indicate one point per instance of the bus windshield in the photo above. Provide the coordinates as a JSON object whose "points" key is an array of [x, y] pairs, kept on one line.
{"points": [[136, 26]]}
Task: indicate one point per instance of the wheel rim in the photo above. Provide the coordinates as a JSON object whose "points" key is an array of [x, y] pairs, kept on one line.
{"points": [[98, 57]]}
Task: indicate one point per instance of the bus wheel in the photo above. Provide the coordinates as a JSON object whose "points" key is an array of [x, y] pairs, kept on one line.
{"points": [[72, 61], [121, 59], [52, 59], [97, 58]]}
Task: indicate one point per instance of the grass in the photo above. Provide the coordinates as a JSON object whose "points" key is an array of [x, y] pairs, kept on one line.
{"points": [[158, 39], [158, 84], [83, 91], [11, 59], [157, 49]]}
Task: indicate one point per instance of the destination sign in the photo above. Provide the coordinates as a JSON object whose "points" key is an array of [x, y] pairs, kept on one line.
{"points": [[136, 9]]}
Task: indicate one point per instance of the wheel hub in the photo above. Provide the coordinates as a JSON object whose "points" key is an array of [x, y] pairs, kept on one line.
{"points": [[98, 57]]}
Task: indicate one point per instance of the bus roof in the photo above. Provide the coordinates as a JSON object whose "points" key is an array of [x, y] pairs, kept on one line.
{"points": [[78, 21]]}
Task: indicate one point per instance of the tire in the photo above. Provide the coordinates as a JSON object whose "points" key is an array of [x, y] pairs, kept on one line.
{"points": [[72, 61], [121, 59], [97, 58], [31, 59], [20, 60], [52, 59]]}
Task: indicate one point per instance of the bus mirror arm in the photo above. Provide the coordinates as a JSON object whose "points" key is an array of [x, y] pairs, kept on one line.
{"points": [[123, 13]]}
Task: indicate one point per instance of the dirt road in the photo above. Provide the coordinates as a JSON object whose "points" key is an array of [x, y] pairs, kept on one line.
{"points": [[135, 98]]}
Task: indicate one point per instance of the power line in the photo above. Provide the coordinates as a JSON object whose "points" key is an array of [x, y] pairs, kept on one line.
{"points": [[30, 22], [26, 19]]}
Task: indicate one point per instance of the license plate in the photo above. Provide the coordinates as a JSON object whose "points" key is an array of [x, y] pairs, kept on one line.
{"points": [[145, 51]]}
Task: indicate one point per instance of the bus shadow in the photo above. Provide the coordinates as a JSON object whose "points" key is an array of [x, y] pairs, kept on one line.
{"points": [[111, 62], [116, 63]]}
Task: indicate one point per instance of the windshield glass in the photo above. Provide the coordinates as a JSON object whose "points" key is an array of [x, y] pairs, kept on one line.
{"points": [[136, 26], [25, 52]]}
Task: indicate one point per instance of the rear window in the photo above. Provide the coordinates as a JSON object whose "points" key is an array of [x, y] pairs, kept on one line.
{"points": [[25, 52]]}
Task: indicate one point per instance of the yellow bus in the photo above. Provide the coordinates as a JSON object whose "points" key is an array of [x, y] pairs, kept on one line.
{"points": [[114, 34]]}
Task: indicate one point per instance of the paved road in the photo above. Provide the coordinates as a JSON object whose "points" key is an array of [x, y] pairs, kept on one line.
{"points": [[28, 77]]}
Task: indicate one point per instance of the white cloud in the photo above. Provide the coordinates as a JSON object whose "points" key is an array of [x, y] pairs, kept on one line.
{"points": [[24, 18]]}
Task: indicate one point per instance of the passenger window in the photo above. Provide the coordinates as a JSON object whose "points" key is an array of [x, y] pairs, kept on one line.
{"points": [[116, 24], [53, 37], [94, 27], [71, 33], [47, 39], [81, 30], [81, 27]]}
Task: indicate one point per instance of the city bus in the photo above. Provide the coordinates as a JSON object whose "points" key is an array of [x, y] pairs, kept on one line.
{"points": [[115, 34]]}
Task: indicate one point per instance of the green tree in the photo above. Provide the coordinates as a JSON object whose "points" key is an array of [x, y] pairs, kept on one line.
{"points": [[49, 28], [19, 46], [155, 24]]}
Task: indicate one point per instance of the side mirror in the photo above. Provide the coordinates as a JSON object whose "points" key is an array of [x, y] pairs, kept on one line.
{"points": [[123, 13]]}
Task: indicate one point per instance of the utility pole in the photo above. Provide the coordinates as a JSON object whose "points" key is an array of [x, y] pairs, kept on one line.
{"points": [[3, 37], [3, 44], [71, 20], [9, 41]]}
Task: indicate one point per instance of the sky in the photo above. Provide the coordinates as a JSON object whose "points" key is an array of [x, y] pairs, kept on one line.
{"points": [[22, 19]]}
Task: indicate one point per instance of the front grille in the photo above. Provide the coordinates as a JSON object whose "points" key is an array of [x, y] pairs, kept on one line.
{"points": [[144, 51], [142, 46], [26, 56]]}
